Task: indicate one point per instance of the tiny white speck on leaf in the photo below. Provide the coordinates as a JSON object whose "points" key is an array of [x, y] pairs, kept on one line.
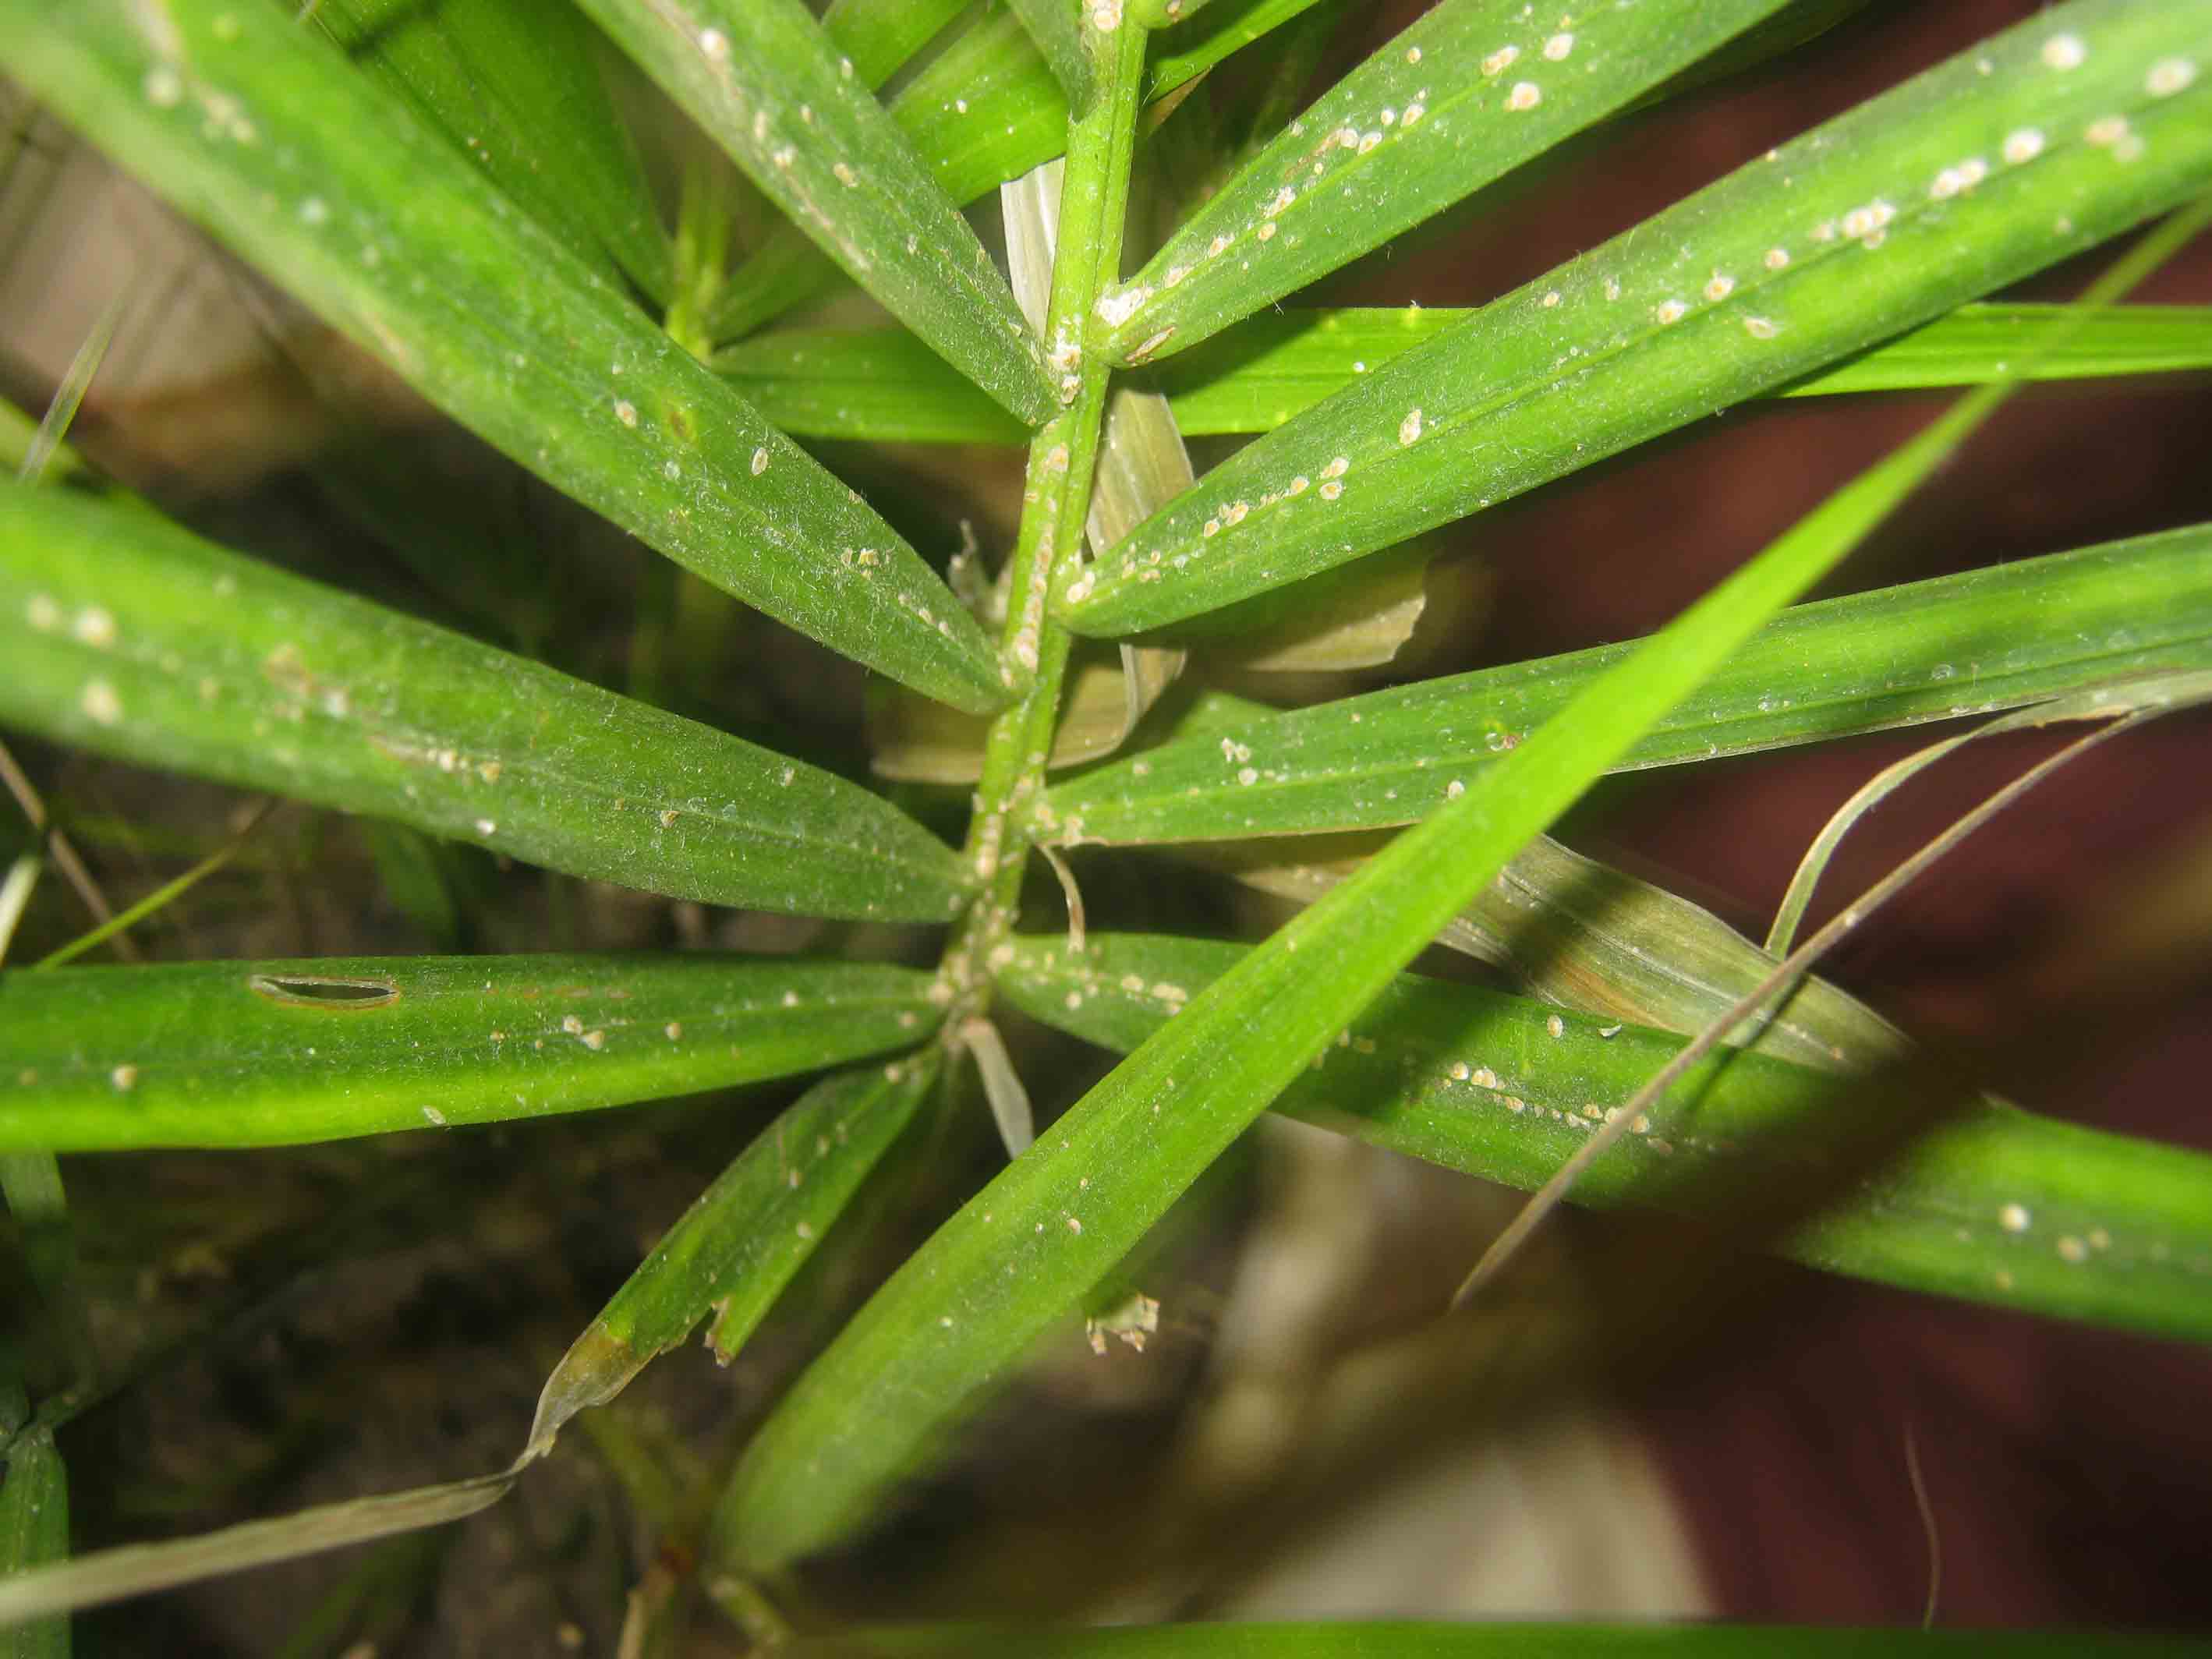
{"points": [[2169, 75]]}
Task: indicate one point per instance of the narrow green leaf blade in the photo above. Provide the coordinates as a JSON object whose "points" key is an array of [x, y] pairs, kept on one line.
{"points": [[129, 636], [1269, 368], [2040, 142], [514, 88], [764, 81], [277, 1053], [262, 133], [1996, 1206], [34, 1532], [1988, 639], [1470, 91], [733, 1252]]}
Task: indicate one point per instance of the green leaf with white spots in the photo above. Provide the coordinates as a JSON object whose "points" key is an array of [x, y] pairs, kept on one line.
{"points": [[2019, 153], [733, 1252], [264, 134], [130, 637], [1471, 90], [983, 111], [1269, 368], [279, 1053], [1997, 638], [1996, 1206], [766, 84], [512, 86]]}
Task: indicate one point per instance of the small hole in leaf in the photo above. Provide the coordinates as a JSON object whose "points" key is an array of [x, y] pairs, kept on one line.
{"points": [[320, 991]]}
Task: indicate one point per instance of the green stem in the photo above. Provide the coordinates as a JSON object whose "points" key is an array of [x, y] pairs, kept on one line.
{"points": [[1063, 455]]}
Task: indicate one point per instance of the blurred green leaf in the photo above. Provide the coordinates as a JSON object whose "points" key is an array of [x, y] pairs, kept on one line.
{"points": [[262, 133], [2013, 155], [1477, 1639], [130, 637], [512, 86], [765, 82], [1991, 639], [733, 1252], [1473, 89], [276, 1054], [113, 1575], [35, 1531]]}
